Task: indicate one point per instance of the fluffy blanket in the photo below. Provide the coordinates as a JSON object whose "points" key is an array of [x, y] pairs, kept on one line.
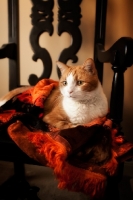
{"points": [[82, 158]]}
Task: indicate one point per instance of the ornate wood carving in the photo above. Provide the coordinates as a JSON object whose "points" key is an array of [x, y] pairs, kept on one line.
{"points": [[42, 17], [69, 20]]}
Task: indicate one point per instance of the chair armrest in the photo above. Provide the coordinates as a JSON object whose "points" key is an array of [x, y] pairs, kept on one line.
{"points": [[8, 51]]}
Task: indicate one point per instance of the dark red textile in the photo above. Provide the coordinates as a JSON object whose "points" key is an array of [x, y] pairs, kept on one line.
{"points": [[82, 158]]}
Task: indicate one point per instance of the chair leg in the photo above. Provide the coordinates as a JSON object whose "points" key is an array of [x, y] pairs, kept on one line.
{"points": [[111, 192], [17, 187], [112, 188]]}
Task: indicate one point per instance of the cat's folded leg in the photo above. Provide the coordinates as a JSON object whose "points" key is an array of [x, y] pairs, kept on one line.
{"points": [[58, 121], [64, 125]]}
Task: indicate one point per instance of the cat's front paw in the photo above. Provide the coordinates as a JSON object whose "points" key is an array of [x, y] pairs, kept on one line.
{"points": [[68, 125], [75, 125]]}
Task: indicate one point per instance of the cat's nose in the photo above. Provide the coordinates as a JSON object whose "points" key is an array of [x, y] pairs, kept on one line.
{"points": [[71, 91]]}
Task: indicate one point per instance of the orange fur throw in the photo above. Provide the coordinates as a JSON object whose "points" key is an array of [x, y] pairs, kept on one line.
{"points": [[82, 158]]}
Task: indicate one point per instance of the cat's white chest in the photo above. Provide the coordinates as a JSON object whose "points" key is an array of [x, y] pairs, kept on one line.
{"points": [[86, 106], [78, 113]]}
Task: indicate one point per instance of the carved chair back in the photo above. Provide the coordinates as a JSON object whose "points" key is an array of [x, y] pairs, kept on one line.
{"points": [[69, 14]]}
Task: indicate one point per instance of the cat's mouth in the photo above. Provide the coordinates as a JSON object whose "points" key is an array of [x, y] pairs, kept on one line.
{"points": [[71, 96]]}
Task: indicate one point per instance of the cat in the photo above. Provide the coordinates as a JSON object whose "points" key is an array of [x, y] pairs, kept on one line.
{"points": [[77, 100]]}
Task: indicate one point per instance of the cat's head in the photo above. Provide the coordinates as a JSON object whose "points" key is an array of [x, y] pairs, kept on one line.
{"points": [[77, 82]]}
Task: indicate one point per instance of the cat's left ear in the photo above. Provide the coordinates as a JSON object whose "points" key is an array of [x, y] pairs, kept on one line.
{"points": [[89, 65], [61, 66]]}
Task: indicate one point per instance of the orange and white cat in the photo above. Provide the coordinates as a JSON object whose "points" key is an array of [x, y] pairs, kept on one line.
{"points": [[79, 98]]}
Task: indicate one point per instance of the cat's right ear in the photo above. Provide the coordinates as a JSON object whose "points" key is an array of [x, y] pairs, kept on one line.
{"points": [[89, 65], [61, 66]]}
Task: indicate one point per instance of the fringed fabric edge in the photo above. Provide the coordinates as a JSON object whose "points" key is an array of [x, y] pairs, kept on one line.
{"points": [[46, 150], [69, 177]]}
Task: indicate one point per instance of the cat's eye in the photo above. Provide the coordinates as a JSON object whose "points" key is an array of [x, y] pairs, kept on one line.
{"points": [[64, 83], [79, 82]]}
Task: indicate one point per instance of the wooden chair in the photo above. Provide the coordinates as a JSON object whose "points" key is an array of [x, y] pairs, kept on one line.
{"points": [[119, 58]]}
